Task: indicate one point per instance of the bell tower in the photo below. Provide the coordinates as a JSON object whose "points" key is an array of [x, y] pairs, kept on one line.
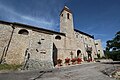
{"points": [[66, 26], [66, 22]]}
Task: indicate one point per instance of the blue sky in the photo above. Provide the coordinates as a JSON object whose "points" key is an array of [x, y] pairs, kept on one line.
{"points": [[100, 18]]}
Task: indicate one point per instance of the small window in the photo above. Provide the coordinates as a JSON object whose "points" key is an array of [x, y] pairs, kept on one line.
{"points": [[96, 43], [76, 36], [42, 39], [23, 31], [39, 42], [90, 40], [68, 16], [58, 37], [37, 50], [62, 15]]}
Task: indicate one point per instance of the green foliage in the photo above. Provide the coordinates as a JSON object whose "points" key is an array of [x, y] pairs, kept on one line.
{"points": [[107, 54], [115, 55], [9, 66], [85, 58], [114, 44], [113, 47]]}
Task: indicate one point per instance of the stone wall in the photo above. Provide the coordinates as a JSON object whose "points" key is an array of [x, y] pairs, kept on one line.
{"points": [[36, 64], [82, 42], [99, 48], [60, 45], [18, 45], [37, 44], [5, 33]]}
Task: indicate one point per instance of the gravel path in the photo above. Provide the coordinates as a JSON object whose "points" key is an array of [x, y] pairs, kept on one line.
{"points": [[81, 72], [87, 71]]}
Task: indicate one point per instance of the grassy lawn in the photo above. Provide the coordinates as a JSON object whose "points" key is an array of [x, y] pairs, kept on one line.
{"points": [[9, 67]]}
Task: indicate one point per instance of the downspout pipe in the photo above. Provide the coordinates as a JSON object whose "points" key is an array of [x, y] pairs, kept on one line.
{"points": [[5, 52], [10, 39], [1, 59]]}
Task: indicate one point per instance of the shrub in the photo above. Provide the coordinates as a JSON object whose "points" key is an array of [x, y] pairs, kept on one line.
{"points": [[59, 61], [85, 58], [79, 59], [67, 60], [114, 55], [90, 59], [73, 59]]}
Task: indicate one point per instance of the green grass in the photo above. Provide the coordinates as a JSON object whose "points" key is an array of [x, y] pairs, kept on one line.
{"points": [[9, 67]]}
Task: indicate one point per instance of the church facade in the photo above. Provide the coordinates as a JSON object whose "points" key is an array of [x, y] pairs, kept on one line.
{"points": [[22, 44]]}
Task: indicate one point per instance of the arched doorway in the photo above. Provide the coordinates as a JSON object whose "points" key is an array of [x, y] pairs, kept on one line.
{"points": [[78, 53]]}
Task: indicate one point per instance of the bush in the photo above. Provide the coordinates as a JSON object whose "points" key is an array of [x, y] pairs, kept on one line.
{"points": [[67, 60], [59, 61], [114, 55], [73, 59], [78, 59], [85, 58]]}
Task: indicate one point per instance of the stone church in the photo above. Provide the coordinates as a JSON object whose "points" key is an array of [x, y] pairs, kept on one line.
{"points": [[23, 44]]}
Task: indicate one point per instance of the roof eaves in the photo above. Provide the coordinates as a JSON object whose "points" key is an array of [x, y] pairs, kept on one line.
{"points": [[31, 27], [37, 28], [84, 33]]}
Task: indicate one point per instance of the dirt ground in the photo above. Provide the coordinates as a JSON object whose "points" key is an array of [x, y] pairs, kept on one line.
{"points": [[86, 71]]}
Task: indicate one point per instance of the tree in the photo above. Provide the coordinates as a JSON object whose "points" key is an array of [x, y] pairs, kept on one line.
{"points": [[113, 47]]}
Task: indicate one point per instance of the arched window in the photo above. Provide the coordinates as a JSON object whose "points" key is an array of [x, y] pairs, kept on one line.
{"points": [[58, 37], [23, 31]]}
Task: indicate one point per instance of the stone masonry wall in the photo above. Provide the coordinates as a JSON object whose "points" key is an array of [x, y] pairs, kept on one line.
{"points": [[82, 42], [60, 45], [99, 47], [5, 33], [38, 45], [18, 45]]}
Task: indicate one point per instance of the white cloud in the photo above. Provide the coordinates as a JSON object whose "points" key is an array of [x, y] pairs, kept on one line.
{"points": [[13, 16], [99, 34]]}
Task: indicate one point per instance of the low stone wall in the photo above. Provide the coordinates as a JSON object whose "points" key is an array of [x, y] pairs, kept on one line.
{"points": [[37, 64]]}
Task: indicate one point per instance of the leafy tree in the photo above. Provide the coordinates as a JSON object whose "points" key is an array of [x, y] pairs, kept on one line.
{"points": [[113, 47]]}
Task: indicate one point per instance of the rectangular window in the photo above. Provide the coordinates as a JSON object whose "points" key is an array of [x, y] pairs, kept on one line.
{"points": [[96, 43], [68, 15], [62, 15], [76, 36]]}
